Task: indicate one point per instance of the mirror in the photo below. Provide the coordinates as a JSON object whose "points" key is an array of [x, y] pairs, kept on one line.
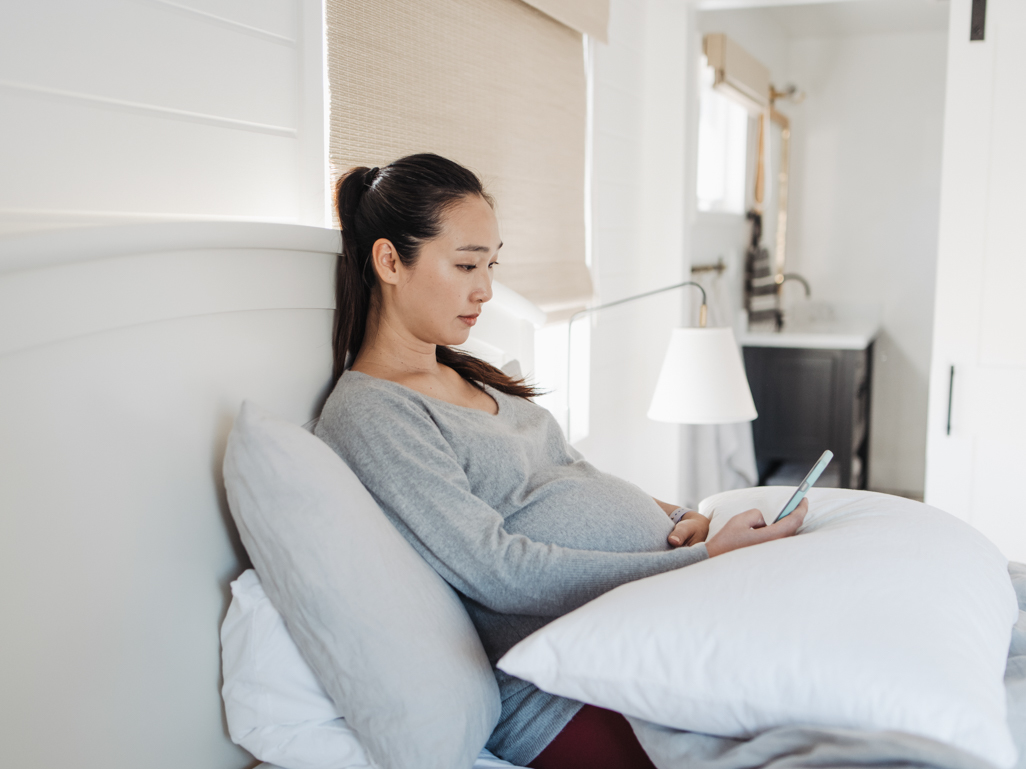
{"points": [[766, 257]]}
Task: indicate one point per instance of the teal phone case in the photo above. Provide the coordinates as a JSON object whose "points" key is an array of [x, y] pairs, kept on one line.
{"points": [[807, 483]]}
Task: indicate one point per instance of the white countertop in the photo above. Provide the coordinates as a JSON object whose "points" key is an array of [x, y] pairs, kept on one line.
{"points": [[820, 337]]}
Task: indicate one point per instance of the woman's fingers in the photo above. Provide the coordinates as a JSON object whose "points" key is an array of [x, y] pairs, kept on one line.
{"points": [[750, 528], [682, 533], [802, 509], [690, 530], [788, 526], [752, 518], [793, 522]]}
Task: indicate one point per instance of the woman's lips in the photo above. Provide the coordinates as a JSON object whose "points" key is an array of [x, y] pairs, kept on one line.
{"points": [[470, 320]]}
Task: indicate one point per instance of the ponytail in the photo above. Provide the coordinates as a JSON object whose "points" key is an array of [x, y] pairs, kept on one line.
{"points": [[404, 203], [352, 281]]}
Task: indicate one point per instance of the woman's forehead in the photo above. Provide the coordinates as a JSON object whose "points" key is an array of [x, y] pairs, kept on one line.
{"points": [[471, 225]]}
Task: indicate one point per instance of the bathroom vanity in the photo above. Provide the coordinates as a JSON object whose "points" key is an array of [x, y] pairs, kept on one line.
{"points": [[813, 391]]}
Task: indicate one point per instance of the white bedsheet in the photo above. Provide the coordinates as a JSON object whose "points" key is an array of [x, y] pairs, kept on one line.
{"points": [[485, 761]]}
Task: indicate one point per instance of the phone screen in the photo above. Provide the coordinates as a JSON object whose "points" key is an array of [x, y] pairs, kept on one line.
{"points": [[806, 484]]}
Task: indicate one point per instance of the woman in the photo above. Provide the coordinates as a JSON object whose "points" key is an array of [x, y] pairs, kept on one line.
{"points": [[477, 477]]}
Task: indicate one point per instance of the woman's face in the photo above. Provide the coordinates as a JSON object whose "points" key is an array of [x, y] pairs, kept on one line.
{"points": [[438, 299]]}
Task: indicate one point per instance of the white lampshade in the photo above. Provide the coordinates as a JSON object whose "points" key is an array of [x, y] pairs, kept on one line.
{"points": [[703, 380]]}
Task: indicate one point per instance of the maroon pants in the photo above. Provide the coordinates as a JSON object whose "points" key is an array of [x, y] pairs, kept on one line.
{"points": [[594, 739]]}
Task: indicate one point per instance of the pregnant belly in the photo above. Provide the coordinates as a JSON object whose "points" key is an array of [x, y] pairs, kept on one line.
{"points": [[591, 511]]}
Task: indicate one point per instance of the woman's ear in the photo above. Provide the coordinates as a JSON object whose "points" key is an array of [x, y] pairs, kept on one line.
{"points": [[385, 261]]}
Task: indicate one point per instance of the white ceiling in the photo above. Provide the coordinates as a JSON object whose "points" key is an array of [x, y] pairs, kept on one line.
{"points": [[821, 19]]}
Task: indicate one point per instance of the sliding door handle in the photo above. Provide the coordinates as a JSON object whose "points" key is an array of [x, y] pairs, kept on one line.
{"points": [[951, 390]]}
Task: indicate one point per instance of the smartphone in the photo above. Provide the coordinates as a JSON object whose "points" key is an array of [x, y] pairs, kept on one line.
{"points": [[806, 484]]}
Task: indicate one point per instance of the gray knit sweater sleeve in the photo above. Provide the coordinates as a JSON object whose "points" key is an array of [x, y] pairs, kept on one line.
{"points": [[401, 445]]}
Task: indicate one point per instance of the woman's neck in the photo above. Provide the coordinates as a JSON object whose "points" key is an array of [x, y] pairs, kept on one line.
{"points": [[389, 351]]}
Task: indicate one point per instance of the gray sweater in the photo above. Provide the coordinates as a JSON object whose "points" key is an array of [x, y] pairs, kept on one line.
{"points": [[508, 513]]}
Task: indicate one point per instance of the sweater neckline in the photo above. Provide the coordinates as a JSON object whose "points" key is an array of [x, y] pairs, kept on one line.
{"points": [[490, 391]]}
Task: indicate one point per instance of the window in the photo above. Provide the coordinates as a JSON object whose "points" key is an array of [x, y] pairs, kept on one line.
{"points": [[722, 149]]}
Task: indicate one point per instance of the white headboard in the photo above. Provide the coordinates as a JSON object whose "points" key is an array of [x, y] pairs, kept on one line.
{"points": [[124, 355]]}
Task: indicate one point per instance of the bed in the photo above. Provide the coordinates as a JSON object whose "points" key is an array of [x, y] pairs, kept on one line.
{"points": [[125, 352]]}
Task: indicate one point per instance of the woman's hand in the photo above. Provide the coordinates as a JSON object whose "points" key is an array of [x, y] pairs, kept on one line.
{"points": [[690, 530], [749, 528]]}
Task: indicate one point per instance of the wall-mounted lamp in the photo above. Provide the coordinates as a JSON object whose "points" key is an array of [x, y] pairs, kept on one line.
{"points": [[702, 380]]}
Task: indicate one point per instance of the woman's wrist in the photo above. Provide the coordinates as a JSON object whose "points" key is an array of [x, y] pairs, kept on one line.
{"points": [[678, 514]]}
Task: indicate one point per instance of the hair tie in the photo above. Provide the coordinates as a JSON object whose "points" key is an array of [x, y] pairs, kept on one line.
{"points": [[370, 176]]}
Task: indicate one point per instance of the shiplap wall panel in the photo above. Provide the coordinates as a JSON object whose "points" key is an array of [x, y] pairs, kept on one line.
{"points": [[278, 17], [116, 163], [142, 53], [124, 109]]}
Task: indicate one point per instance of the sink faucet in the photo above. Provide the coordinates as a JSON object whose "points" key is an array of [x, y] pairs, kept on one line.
{"points": [[786, 276], [781, 279]]}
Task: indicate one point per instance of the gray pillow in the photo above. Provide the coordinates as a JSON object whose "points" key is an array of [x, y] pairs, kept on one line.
{"points": [[387, 637]]}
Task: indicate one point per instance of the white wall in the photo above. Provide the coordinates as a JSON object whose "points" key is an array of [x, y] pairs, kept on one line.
{"points": [[638, 245], [864, 213], [150, 109]]}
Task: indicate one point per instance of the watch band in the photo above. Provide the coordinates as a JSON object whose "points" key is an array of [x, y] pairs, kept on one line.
{"points": [[677, 514]]}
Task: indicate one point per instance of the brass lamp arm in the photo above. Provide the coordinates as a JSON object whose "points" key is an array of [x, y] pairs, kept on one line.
{"points": [[702, 316]]}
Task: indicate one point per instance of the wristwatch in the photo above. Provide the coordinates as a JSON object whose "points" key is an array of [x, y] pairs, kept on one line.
{"points": [[679, 513]]}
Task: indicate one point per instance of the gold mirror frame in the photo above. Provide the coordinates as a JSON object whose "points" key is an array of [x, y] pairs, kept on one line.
{"points": [[780, 252]]}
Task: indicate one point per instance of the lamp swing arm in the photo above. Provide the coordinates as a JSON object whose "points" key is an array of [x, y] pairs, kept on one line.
{"points": [[702, 316]]}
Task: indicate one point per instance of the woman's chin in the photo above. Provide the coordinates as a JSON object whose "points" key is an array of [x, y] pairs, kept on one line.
{"points": [[457, 337], [454, 339]]}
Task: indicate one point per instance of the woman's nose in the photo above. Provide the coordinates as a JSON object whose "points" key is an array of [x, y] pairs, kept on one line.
{"points": [[483, 291]]}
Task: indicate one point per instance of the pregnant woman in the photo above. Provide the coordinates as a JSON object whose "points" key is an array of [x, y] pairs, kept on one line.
{"points": [[478, 478]]}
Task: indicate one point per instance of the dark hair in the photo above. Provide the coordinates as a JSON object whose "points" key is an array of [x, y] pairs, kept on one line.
{"points": [[404, 203]]}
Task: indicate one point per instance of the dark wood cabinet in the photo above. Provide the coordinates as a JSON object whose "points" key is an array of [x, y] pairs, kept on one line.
{"points": [[810, 400]]}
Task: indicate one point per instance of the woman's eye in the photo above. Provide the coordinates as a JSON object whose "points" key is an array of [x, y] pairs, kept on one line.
{"points": [[466, 267], [493, 264]]}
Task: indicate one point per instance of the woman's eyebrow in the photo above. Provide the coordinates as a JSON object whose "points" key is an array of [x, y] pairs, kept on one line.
{"points": [[480, 249]]}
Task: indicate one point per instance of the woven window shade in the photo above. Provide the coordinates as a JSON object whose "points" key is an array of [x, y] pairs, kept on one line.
{"points": [[493, 84]]}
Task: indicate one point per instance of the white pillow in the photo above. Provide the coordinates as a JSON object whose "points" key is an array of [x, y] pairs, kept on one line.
{"points": [[387, 638], [275, 707], [882, 613]]}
